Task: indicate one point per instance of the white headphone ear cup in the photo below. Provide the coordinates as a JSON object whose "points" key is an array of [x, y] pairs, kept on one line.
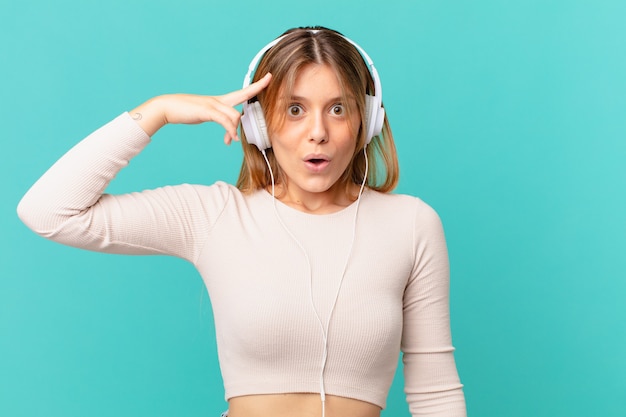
{"points": [[264, 138], [374, 117], [253, 124], [380, 121]]}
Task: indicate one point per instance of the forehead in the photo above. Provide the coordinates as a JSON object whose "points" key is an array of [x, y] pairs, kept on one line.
{"points": [[316, 77], [316, 80]]}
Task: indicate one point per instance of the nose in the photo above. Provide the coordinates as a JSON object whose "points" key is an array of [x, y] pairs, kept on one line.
{"points": [[318, 131]]}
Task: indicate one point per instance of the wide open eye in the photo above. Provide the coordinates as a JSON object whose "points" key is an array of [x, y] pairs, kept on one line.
{"points": [[337, 110], [294, 110]]}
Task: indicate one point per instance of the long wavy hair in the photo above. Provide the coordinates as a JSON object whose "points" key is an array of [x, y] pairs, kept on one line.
{"points": [[299, 48]]}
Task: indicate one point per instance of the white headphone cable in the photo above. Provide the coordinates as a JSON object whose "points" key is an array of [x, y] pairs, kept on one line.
{"points": [[324, 330]]}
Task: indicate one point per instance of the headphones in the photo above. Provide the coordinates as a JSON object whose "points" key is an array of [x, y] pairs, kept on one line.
{"points": [[253, 121]]}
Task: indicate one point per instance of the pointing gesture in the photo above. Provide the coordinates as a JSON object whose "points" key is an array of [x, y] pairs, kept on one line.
{"points": [[194, 109], [239, 96]]}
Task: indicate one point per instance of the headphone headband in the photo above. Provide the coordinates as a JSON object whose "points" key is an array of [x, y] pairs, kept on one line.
{"points": [[253, 122]]}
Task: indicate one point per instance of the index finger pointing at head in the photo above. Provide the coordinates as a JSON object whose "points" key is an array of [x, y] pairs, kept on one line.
{"points": [[239, 96]]}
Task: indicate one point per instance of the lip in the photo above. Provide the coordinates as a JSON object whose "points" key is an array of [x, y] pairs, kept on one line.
{"points": [[321, 162]]}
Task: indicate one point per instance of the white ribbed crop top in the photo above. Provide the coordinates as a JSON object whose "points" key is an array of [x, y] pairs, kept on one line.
{"points": [[394, 294]]}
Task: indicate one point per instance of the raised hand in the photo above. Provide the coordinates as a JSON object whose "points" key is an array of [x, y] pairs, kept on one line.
{"points": [[194, 109]]}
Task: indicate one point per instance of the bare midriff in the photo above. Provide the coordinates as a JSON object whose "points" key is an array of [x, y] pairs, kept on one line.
{"points": [[299, 405]]}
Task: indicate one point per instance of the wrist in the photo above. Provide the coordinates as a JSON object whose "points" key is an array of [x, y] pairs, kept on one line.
{"points": [[150, 116]]}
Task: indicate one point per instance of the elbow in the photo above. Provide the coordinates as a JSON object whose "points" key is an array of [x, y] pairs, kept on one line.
{"points": [[34, 216], [26, 213]]}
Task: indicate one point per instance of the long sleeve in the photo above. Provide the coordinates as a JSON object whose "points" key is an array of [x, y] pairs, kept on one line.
{"points": [[67, 203], [432, 384]]}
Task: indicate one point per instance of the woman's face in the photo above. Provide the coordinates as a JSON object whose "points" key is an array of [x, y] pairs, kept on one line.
{"points": [[317, 139]]}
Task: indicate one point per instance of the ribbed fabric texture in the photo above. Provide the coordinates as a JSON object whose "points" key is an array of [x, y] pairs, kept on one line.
{"points": [[264, 293]]}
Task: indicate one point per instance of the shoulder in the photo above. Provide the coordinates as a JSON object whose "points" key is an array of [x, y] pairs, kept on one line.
{"points": [[402, 206], [221, 196], [219, 189], [407, 216], [209, 199]]}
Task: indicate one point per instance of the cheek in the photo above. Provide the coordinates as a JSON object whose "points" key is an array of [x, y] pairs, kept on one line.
{"points": [[347, 151], [286, 135], [283, 145], [283, 149], [353, 128]]}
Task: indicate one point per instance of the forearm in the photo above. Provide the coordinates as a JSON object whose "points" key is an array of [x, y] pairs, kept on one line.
{"points": [[194, 109], [432, 385]]}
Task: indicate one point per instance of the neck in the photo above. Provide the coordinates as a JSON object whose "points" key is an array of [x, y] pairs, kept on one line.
{"points": [[331, 201]]}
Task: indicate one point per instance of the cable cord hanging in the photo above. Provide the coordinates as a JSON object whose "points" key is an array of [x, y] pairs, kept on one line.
{"points": [[323, 329]]}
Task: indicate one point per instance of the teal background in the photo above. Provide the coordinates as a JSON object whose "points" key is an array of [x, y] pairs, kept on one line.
{"points": [[509, 119]]}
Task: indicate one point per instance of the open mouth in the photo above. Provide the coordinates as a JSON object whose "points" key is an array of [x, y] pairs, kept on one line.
{"points": [[317, 163]]}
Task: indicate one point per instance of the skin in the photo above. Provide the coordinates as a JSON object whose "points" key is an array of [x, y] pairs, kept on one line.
{"points": [[316, 125], [316, 128]]}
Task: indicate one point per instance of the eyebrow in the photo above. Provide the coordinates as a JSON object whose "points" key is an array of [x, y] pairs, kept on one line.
{"points": [[334, 99]]}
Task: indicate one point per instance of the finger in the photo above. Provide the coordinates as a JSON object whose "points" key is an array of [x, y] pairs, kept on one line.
{"points": [[228, 138], [230, 112], [237, 97], [225, 118]]}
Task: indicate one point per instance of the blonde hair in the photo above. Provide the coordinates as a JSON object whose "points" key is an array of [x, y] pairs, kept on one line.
{"points": [[299, 48]]}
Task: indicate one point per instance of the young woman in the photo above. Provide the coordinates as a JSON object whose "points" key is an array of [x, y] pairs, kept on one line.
{"points": [[318, 276]]}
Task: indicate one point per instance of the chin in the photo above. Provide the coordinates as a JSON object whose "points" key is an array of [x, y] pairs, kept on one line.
{"points": [[315, 187], [321, 186]]}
